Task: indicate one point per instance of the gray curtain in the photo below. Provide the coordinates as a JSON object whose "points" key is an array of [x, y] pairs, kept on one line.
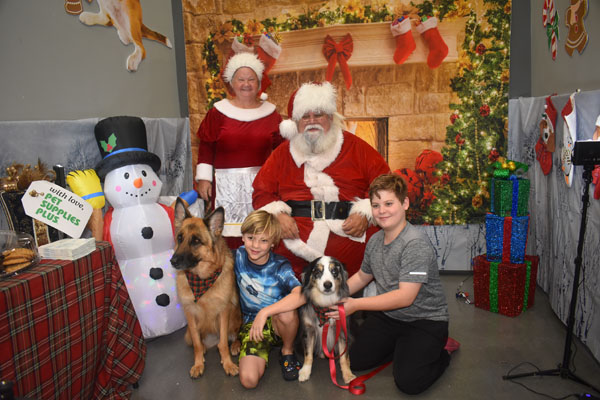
{"points": [[555, 211], [73, 145]]}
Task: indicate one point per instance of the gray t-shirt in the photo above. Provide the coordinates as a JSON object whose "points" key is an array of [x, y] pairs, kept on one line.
{"points": [[408, 258]]}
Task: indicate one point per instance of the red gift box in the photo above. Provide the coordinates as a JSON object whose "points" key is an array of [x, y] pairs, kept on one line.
{"points": [[503, 287]]}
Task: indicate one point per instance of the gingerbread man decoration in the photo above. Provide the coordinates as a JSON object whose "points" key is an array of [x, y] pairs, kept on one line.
{"points": [[577, 37]]}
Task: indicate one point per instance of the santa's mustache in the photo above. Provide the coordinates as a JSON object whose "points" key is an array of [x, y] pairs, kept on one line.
{"points": [[312, 127]]}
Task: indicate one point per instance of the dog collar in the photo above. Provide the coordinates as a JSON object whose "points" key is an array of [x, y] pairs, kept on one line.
{"points": [[198, 285], [320, 311]]}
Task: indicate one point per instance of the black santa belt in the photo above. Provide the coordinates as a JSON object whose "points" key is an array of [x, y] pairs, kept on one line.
{"points": [[319, 210]]}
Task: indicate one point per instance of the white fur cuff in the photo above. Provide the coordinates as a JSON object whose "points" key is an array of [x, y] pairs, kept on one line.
{"points": [[277, 207], [362, 207], [205, 172]]}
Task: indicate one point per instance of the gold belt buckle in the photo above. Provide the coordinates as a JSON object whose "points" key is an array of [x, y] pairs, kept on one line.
{"points": [[312, 210]]}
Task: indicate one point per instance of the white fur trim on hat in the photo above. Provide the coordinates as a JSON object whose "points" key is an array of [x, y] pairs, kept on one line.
{"points": [[243, 60], [288, 129], [314, 97]]}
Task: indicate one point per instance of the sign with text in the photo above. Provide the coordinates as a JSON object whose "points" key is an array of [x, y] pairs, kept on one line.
{"points": [[57, 207]]}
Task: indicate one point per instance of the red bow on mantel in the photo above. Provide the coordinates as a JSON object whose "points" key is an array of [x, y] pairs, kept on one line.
{"points": [[341, 52]]}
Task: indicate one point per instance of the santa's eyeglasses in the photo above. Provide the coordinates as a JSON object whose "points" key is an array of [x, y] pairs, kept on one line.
{"points": [[315, 116]]}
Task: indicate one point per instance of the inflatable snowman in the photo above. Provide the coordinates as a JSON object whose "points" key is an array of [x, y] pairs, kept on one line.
{"points": [[139, 228]]}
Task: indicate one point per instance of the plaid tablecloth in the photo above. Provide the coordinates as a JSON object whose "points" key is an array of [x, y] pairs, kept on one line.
{"points": [[68, 330]]}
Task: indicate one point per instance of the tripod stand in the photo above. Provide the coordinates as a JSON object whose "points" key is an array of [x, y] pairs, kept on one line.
{"points": [[563, 370]]}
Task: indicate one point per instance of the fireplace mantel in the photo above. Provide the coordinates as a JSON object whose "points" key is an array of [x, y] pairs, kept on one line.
{"points": [[374, 45]]}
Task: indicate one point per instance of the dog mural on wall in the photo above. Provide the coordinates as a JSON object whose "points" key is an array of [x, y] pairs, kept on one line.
{"points": [[126, 17]]}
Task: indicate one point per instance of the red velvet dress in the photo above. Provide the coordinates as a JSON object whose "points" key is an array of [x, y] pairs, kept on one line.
{"points": [[234, 144]]}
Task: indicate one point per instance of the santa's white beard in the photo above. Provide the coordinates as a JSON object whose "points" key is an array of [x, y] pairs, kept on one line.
{"points": [[314, 140]]}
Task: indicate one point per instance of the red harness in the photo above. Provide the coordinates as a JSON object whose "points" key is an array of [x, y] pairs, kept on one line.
{"points": [[357, 385]]}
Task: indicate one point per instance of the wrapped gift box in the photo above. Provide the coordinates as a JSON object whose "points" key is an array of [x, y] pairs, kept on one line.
{"points": [[506, 238], [504, 288], [510, 196]]}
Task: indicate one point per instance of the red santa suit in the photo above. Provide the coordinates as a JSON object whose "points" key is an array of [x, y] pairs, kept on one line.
{"points": [[235, 142], [341, 173]]}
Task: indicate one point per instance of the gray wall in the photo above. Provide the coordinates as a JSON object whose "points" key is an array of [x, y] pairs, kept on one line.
{"points": [[567, 73], [53, 67], [520, 50]]}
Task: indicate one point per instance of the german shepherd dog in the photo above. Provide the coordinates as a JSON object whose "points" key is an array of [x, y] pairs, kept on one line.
{"points": [[209, 298], [324, 284]]}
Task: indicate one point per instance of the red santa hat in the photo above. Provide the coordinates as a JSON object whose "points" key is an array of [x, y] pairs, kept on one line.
{"points": [[316, 97]]}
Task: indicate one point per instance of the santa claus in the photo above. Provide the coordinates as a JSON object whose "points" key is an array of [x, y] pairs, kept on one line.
{"points": [[317, 182]]}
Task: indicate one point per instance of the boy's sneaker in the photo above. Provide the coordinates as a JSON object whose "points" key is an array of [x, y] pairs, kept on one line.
{"points": [[289, 366], [451, 345]]}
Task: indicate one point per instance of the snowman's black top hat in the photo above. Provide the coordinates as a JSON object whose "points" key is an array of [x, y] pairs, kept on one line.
{"points": [[122, 141]]}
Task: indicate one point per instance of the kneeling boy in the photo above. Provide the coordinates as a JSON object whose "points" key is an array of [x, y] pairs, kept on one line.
{"points": [[263, 279]]}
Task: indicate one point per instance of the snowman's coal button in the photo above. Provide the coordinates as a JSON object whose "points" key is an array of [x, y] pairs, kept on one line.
{"points": [[163, 300], [147, 232], [156, 273]]}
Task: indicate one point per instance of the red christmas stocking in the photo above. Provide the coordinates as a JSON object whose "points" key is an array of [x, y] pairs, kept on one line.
{"points": [[438, 50], [268, 51], [405, 43]]}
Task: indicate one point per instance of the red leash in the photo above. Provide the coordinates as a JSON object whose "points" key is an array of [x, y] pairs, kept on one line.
{"points": [[357, 385]]}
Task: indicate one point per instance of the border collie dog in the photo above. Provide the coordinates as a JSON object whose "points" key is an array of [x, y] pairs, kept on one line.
{"points": [[324, 284]]}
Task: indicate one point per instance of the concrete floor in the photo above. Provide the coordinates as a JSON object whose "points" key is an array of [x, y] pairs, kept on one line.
{"points": [[491, 345]]}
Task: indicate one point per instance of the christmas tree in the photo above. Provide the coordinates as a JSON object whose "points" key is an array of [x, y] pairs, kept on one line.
{"points": [[476, 135]]}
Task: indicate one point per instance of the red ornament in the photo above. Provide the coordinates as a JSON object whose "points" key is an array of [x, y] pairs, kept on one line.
{"points": [[458, 139], [480, 49], [484, 110], [453, 118], [445, 179], [494, 155]]}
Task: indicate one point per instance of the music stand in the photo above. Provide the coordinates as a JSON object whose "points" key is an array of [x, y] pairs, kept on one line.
{"points": [[581, 156]]}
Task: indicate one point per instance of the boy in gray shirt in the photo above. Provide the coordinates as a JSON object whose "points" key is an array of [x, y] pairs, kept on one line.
{"points": [[407, 321]]}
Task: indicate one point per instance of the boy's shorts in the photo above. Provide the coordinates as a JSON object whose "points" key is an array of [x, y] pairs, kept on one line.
{"points": [[260, 349]]}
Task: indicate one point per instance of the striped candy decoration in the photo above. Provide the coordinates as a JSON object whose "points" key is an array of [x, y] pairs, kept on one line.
{"points": [[550, 21]]}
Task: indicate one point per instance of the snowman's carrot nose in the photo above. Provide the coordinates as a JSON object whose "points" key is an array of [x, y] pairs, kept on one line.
{"points": [[138, 183]]}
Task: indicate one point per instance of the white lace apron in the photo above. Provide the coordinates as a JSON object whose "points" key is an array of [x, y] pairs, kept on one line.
{"points": [[234, 194]]}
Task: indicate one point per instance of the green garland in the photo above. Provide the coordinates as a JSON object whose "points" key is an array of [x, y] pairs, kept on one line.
{"points": [[352, 13]]}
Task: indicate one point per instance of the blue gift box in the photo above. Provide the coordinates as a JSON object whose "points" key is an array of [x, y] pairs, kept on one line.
{"points": [[506, 238]]}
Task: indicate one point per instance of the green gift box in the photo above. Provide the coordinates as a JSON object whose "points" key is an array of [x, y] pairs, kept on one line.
{"points": [[507, 193]]}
